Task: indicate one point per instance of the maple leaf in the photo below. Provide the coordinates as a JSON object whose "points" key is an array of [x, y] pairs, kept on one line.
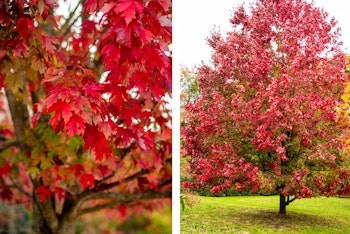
{"points": [[60, 192], [6, 194], [4, 170], [19, 50], [88, 26], [97, 142], [24, 26], [75, 125], [103, 169], [141, 181], [122, 209], [87, 180], [146, 36], [78, 169], [128, 9], [164, 3], [43, 192], [93, 5], [48, 43]]}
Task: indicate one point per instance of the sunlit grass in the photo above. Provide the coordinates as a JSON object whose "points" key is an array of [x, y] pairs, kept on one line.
{"points": [[257, 214]]}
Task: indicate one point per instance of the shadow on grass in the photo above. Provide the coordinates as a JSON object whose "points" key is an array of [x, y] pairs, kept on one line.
{"points": [[292, 221], [247, 220]]}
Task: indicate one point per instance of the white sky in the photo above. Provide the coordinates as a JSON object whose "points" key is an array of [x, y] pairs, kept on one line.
{"points": [[195, 19]]}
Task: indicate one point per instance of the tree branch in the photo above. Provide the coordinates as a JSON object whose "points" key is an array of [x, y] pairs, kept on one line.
{"points": [[123, 199], [123, 155], [16, 186], [6, 146], [91, 194], [165, 183], [290, 201], [67, 26], [20, 118], [130, 178]]}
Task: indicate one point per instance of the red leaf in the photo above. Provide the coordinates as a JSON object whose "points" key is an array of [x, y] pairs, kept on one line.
{"points": [[103, 169], [87, 181], [20, 50], [75, 126], [47, 43], [129, 8], [43, 192], [6, 194], [2, 53], [78, 169], [164, 3], [96, 141], [4, 170], [60, 192], [93, 5], [146, 36], [141, 181], [122, 209], [25, 27], [88, 26]]}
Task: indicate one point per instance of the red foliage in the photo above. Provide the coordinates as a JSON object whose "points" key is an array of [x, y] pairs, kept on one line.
{"points": [[43, 192], [96, 95], [266, 115]]}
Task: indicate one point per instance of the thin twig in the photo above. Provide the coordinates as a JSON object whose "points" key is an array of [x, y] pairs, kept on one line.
{"points": [[6, 146], [67, 24], [16, 186]]}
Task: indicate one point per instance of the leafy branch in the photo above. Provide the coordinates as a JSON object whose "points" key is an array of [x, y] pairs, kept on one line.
{"points": [[131, 177], [119, 198]]}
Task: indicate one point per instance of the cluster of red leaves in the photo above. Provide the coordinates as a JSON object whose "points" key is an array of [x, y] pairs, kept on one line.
{"points": [[271, 95], [108, 83], [208, 140]]}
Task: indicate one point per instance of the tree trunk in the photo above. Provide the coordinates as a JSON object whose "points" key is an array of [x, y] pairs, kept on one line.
{"points": [[43, 221], [66, 226], [283, 205], [39, 225]]}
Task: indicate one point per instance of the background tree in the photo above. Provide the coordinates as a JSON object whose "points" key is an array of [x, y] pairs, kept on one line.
{"points": [[189, 86], [266, 116], [189, 93], [88, 98]]}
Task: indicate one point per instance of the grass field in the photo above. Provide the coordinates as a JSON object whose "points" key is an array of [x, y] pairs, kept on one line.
{"points": [[258, 214]]}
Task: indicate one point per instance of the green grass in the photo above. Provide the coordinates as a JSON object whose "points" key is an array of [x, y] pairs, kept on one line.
{"points": [[258, 214]]}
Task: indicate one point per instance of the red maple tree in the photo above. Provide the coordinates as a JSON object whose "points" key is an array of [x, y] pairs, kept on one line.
{"points": [[266, 116], [90, 124]]}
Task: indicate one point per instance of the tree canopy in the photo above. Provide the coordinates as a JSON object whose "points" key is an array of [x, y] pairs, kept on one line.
{"points": [[266, 118]]}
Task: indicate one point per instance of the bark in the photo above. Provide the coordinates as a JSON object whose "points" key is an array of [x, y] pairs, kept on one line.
{"points": [[39, 226], [283, 205], [38, 223], [46, 221], [284, 202], [20, 118], [67, 226]]}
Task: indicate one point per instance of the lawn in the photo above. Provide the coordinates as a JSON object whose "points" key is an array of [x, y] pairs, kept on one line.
{"points": [[258, 214]]}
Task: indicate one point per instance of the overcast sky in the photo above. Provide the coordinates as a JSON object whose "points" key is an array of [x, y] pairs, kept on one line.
{"points": [[195, 19]]}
